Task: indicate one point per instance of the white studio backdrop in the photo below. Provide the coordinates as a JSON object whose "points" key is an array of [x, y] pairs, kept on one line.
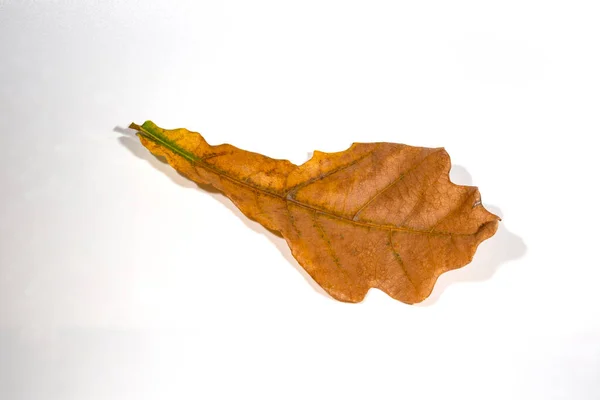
{"points": [[120, 279]]}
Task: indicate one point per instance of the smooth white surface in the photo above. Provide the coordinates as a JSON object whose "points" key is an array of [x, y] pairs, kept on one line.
{"points": [[119, 279]]}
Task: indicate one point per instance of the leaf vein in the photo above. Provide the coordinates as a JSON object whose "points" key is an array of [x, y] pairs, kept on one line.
{"points": [[394, 182]]}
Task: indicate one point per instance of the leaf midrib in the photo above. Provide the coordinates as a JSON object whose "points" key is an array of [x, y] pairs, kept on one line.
{"points": [[153, 135]]}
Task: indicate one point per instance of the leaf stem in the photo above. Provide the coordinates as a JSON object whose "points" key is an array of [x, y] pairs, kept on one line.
{"points": [[148, 131]]}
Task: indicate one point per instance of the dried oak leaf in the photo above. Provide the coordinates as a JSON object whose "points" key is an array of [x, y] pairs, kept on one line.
{"points": [[380, 215]]}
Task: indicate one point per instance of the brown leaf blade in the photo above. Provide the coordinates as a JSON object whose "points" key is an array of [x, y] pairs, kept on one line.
{"points": [[380, 215]]}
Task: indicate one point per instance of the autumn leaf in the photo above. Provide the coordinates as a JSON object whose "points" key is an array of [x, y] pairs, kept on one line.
{"points": [[380, 215]]}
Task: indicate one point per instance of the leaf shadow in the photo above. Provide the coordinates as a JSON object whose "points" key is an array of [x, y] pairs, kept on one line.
{"points": [[129, 140], [501, 248]]}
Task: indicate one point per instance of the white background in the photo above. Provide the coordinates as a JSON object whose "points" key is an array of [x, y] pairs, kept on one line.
{"points": [[119, 279]]}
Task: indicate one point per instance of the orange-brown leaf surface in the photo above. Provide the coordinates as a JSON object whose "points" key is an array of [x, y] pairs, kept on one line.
{"points": [[380, 215]]}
